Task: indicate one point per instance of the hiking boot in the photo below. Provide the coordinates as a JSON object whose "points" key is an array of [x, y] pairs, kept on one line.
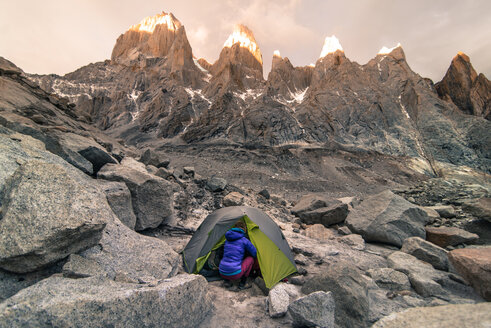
{"points": [[243, 284]]}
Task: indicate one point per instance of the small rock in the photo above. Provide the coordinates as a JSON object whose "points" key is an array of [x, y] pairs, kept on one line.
{"points": [[344, 230], [432, 214], [354, 240], [446, 236], [424, 286], [216, 184], [445, 211], [390, 279], [278, 301], [265, 193], [426, 251], [297, 280], [480, 208], [301, 259], [189, 170], [233, 199], [318, 231]]}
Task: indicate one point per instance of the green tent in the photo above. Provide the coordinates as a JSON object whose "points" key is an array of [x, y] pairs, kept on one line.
{"points": [[273, 253]]}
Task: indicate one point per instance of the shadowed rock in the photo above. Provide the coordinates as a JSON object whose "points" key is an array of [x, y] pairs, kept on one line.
{"points": [[387, 218], [99, 302], [47, 215]]}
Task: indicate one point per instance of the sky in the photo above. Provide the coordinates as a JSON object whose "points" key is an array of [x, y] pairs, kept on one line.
{"points": [[59, 36]]}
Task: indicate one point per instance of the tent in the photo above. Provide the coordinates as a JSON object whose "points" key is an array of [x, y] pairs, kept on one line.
{"points": [[273, 253]]}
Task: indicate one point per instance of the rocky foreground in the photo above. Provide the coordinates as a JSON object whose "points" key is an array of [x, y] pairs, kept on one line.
{"points": [[91, 229]]}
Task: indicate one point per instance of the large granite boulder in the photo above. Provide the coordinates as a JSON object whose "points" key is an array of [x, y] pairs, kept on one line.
{"points": [[448, 316], [426, 251], [474, 264], [152, 196], [449, 236], [387, 218], [124, 252], [349, 288], [47, 215], [313, 310], [99, 302]]}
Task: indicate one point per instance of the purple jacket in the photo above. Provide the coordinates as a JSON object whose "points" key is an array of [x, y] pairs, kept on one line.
{"points": [[236, 245]]}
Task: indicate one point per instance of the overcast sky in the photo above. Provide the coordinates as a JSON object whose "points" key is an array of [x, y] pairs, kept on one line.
{"points": [[59, 36]]}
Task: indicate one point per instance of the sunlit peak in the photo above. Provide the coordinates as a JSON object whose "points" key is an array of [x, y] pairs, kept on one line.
{"points": [[331, 44], [150, 23], [386, 51], [243, 36], [277, 53]]}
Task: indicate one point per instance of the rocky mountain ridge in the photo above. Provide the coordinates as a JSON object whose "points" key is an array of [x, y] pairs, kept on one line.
{"points": [[153, 92]]}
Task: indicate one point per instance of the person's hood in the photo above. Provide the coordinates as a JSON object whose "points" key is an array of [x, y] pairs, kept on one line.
{"points": [[234, 234]]}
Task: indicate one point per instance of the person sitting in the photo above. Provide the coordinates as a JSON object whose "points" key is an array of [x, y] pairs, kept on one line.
{"points": [[233, 265]]}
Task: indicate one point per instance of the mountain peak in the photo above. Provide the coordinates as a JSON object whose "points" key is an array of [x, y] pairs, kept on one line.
{"points": [[386, 51], [245, 38], [148, 24], [463, 56], [331, 45]]}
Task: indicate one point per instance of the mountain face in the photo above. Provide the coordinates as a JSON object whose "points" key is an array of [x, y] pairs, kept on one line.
{"points": [[469, 91], [154, 92]]}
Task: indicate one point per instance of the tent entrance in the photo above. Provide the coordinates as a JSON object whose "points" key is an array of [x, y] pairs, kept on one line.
{"points": [[274, 264]]}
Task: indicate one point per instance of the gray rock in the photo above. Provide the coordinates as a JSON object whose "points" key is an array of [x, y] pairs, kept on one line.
{"points": [[152, 197], [278, 301], [344, 230], [391, 279], [297, 280], [11, 283], [79, 267], [445, 211], [301, 259], [265, 193], [353, 240], [313, 310], [326, 216], [427, 252], [164, 173], [99, 302], [47, 215], [233, 199], [189, 170], [449, 316], [216, 184], [387, 218], [449, 236], [480, 208], [424, 286], [432, 214], [318, 231], [119, 198], [408, 264], [87, 148], [350, 291], [149, 157], [139, 257], [309, 203]]}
